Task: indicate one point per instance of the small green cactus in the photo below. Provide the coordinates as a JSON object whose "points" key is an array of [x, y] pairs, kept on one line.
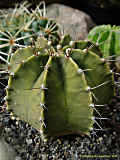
{"points": [[20, 29], [56, 91], [107, 38]]}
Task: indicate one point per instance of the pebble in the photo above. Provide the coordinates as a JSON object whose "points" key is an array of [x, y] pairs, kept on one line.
{"points": [[6, 151]]}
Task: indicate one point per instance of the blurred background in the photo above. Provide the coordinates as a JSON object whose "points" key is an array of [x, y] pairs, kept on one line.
{"points": [[101, 11]]}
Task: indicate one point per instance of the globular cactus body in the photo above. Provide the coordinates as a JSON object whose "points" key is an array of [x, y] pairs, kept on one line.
{"points": [[21, 28], [56, 91], [55, 84]]}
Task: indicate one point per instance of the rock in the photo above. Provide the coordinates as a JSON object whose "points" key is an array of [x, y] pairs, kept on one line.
{"points": [[72, 21], [6, 151]]}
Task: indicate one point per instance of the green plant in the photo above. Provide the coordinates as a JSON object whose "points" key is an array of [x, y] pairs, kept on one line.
{"points": [[21, 27], [56, 91], [107, 38], [57, 85]]}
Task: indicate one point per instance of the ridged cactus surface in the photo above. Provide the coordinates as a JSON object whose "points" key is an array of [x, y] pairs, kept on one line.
{"points": [[97, 74], [21, 28], [56, 91], [107, 38]]}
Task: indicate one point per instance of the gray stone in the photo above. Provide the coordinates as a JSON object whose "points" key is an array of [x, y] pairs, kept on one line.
{"points": [[72, 21], [6, 151]]}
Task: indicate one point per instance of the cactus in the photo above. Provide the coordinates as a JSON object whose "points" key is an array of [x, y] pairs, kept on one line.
{"points": [[107, 38], [56, 90], [20, 29], [57, 85]]}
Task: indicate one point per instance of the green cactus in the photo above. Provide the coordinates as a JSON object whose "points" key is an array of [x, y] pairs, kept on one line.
{"points": [[20, 29], [55, 84], [57, 90], [107, 38]]}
